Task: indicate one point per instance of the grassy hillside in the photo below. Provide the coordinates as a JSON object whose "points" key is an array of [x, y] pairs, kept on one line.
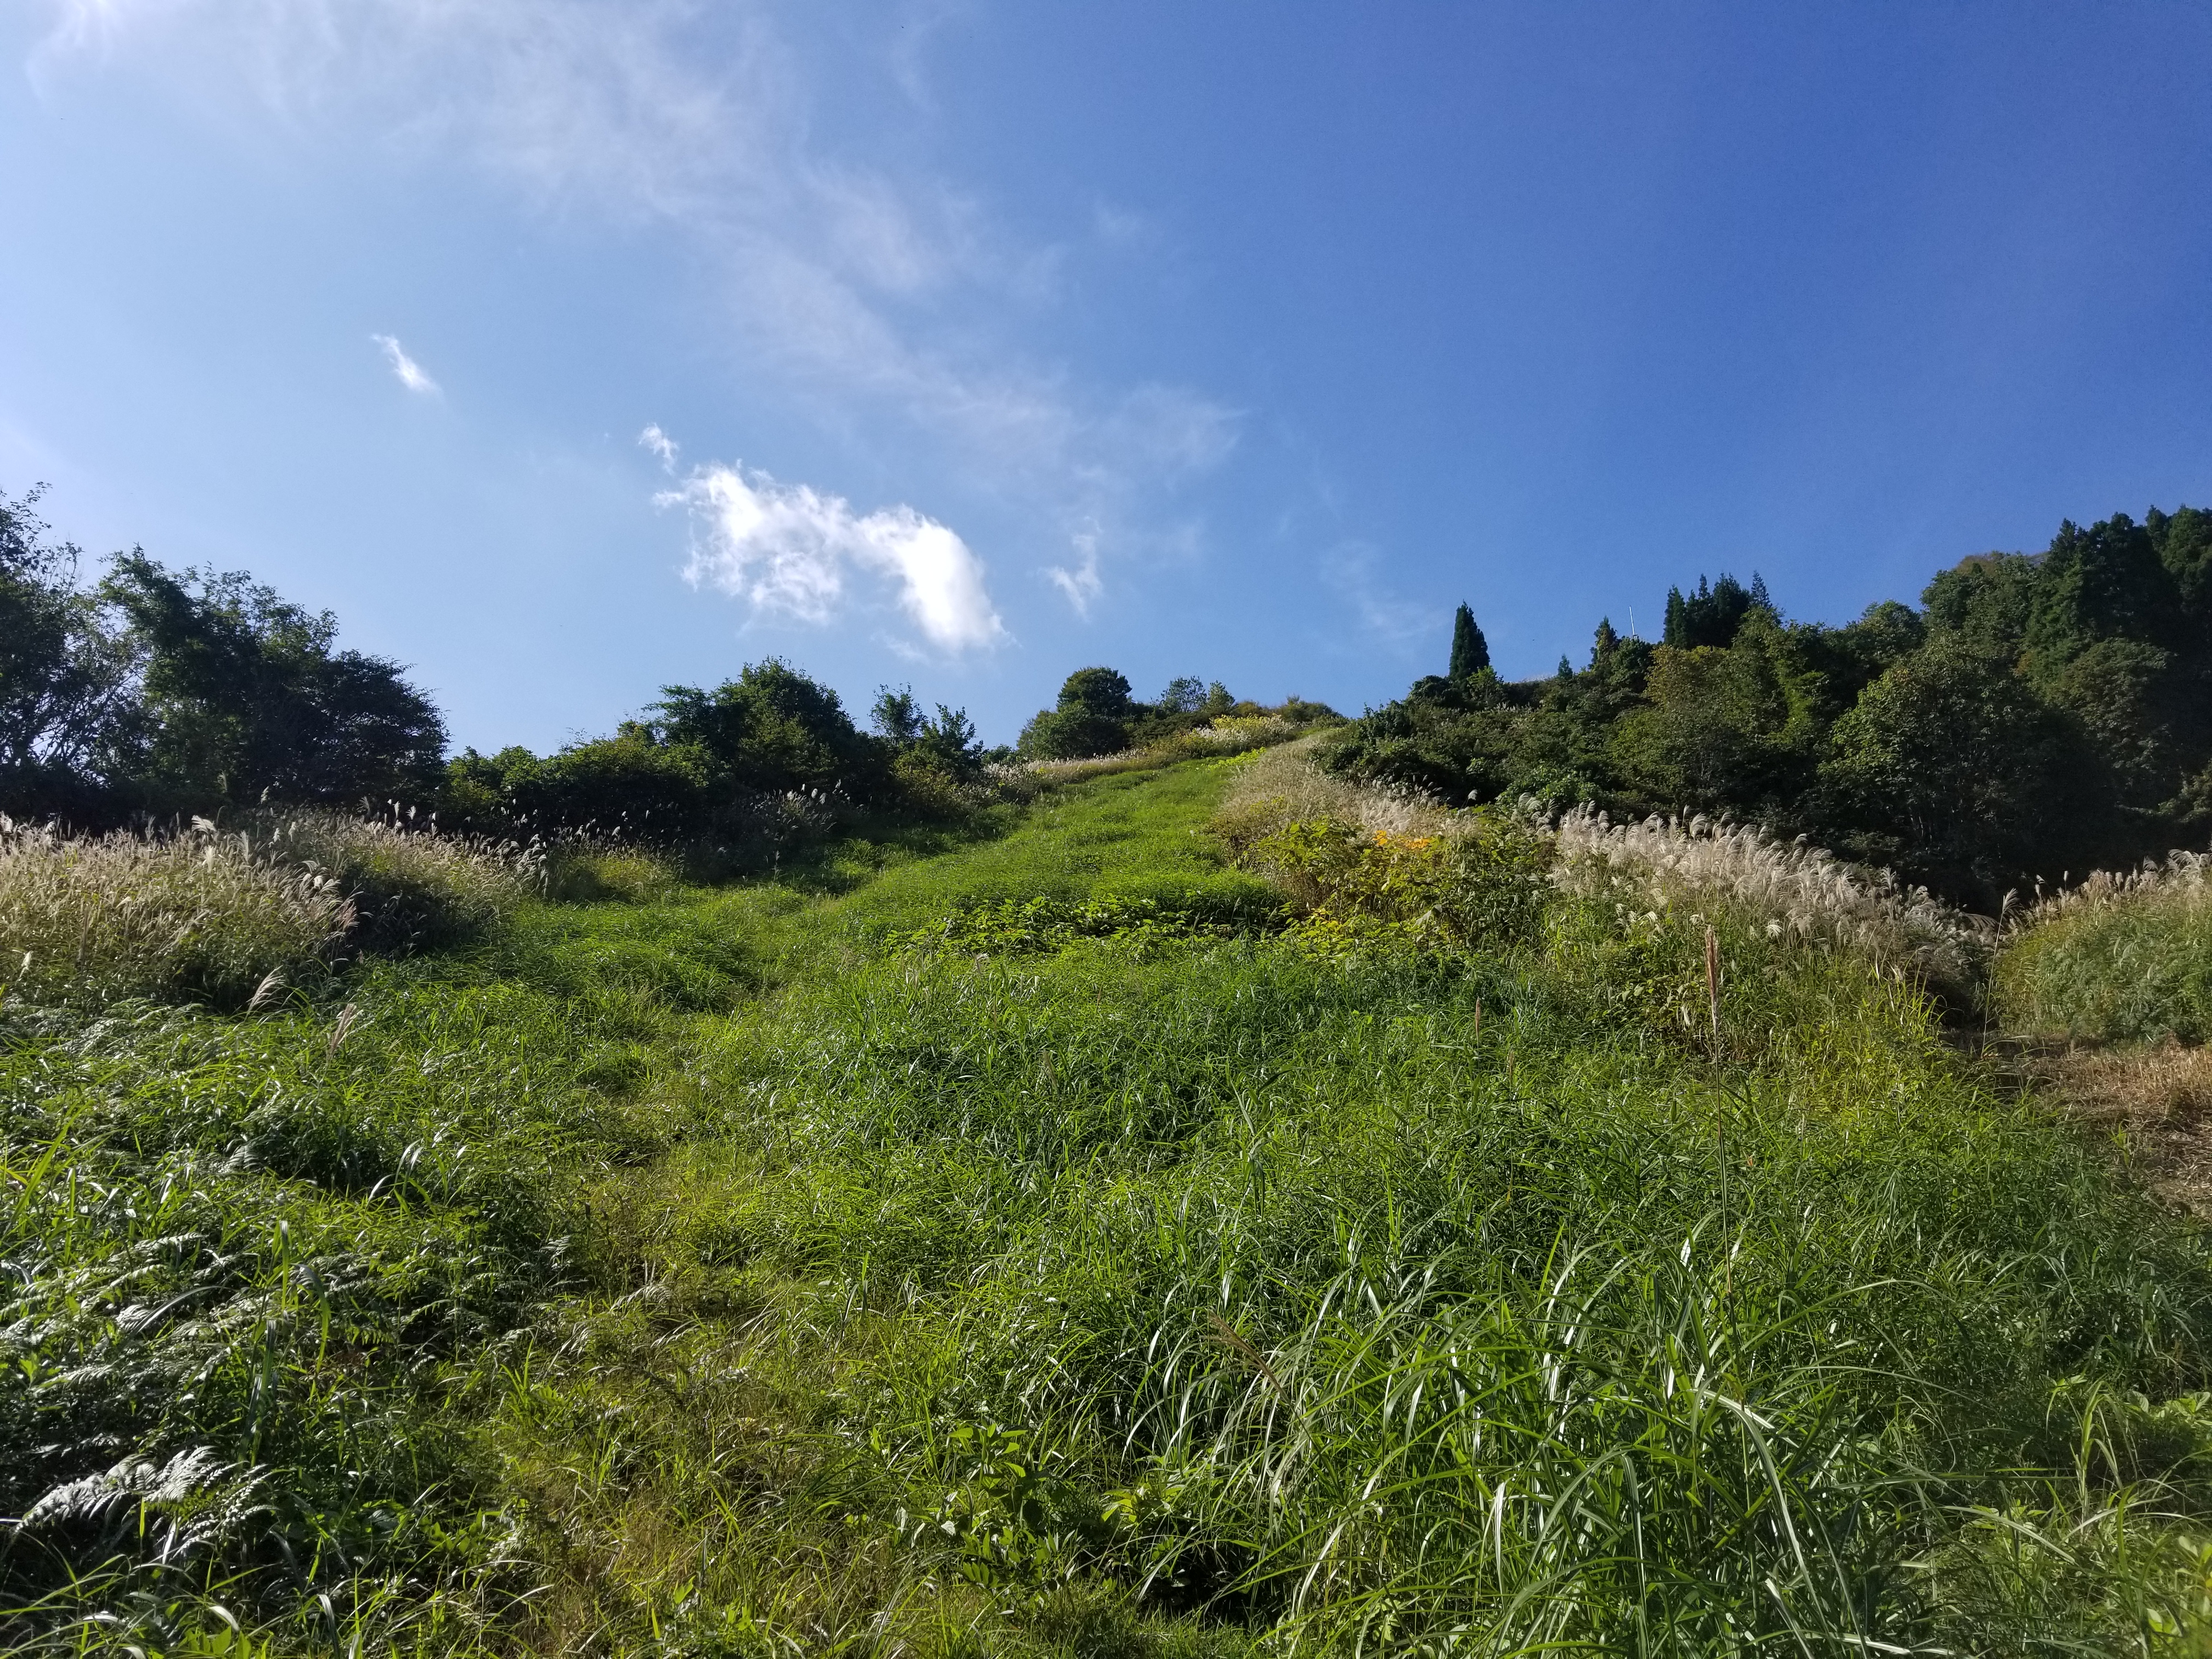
{"points": [[1346, 1226]]}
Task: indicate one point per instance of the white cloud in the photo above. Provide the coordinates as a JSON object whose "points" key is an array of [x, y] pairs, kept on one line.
{"points": [[1083, 584], [787, 549], [407, 371], [660, 444], [1398, 625], [1173, 430], [883, 302]]}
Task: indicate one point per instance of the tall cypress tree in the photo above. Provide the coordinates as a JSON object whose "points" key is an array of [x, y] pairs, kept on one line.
{"points": [[1470, 652]]}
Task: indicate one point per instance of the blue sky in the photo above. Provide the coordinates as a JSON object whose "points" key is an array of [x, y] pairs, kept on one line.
{"points": [[972, 343]]}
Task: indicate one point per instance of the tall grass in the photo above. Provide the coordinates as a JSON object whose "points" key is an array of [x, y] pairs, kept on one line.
{"points": [[1283, 785], [409, 885], [221, 915], [750, 1272], [1643, 869], [1789, 888], [201, 914], [1234, 734], [2121, 957]]}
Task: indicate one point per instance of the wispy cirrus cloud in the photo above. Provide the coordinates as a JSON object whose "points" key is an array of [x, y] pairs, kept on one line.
{"points": [[1388, 620], [408, 373], [884, 301], [1082, 584], [788, 550]]}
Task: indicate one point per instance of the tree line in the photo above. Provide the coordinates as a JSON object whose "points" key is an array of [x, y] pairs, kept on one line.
{"points": [[154, 693], [159, 694], [2039, 714], [1098, 712]]}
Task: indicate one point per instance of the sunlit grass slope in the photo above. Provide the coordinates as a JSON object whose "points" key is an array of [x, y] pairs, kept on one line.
{"points": [[1034, 1247]]}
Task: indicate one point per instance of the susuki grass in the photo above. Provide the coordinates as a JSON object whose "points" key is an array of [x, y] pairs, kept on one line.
{"points": [[200, 914], [2120, 956], [837, 1266], [221, 915], [409, 885], [1790, 887], [1282, 786]]}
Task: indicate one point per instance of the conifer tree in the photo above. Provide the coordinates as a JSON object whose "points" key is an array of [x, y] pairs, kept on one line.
{"points": [[1470, 652]]}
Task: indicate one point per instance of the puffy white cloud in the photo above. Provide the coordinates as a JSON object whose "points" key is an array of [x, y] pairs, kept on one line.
{"points": [[409, 373], [788, 549]]}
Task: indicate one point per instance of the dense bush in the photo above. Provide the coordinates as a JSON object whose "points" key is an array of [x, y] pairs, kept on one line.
{"points": [[187, 692], [65, 708], [2042, 713], [757, 761], [1096, 716], [160, 694], [246, 698]]}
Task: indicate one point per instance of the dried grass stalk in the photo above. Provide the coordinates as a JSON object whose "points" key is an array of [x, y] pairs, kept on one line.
{"points": [[1789, 888]]}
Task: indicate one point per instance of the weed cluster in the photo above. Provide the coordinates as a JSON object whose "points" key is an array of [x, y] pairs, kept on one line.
{"points": [[198, 914], [2125, 957]]}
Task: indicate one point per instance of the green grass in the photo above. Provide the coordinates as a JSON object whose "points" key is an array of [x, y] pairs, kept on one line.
{"points": [[775, 1269], [2126, 961]]}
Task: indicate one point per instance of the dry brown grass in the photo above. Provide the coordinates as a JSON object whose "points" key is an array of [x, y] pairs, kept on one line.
{"points": [[2159, 1099]]}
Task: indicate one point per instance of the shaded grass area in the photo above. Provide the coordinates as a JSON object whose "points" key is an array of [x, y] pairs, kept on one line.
{"points": [[745, 1271]]}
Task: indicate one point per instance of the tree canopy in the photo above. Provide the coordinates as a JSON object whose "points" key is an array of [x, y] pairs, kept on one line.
{"points": [[2039, 714], [1470, 652]]}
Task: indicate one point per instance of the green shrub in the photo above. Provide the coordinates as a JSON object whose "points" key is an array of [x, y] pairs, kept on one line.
{"points": [[1486, 884]]}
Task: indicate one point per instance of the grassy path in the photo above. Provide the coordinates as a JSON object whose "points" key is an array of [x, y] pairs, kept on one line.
{"points": [[881, 1258]]}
